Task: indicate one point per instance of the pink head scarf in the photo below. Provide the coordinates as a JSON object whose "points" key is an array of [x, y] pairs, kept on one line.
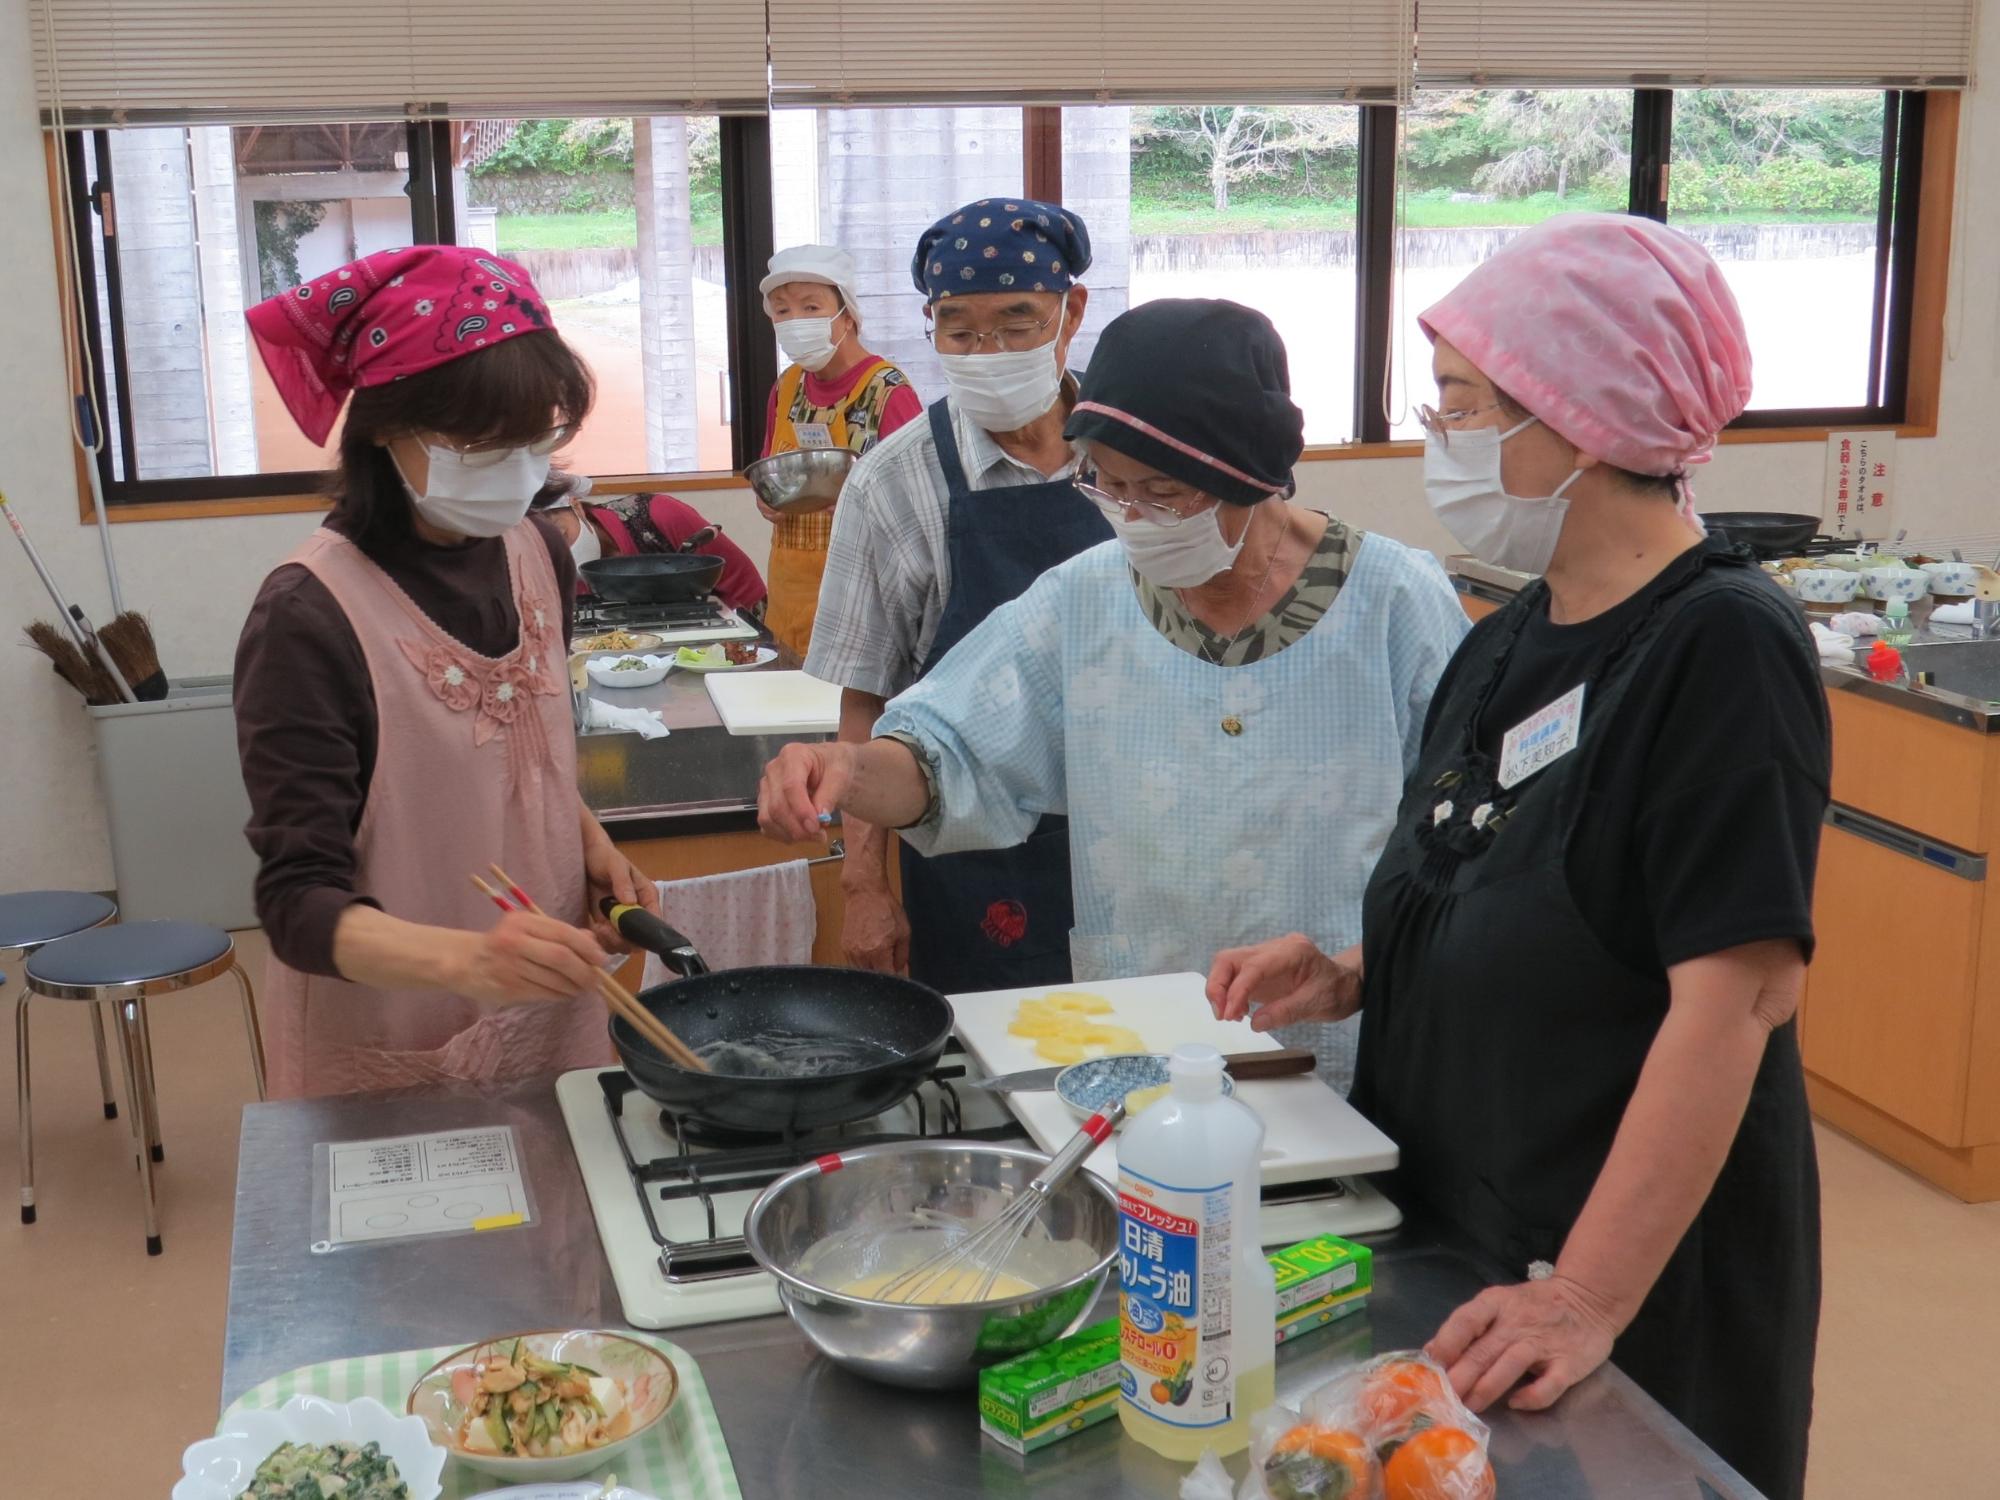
{"points": [[1617, 332], [388, 315]]}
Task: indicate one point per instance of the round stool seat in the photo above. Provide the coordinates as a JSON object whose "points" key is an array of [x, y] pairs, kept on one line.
{"points": [[29, 919], [114, 963]]}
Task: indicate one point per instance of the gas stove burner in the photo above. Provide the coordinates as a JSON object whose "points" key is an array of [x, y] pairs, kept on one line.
{"points": [[596, 614], [702, 1164]]}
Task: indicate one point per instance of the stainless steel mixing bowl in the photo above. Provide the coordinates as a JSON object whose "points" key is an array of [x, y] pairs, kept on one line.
{"points": [[802, 481], [929, 1347]]}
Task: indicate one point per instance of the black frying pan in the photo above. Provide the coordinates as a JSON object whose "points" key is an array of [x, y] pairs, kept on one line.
{"points": [[877, 1035], [1768, 534], [653, 578]]}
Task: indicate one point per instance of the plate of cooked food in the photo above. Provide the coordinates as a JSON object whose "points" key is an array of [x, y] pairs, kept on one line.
{"points": [[630, 670], [620, 640], [724, 656], [544, 1406], [357, 1450]]}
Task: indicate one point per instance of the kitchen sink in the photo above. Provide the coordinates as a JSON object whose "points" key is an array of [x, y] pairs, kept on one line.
{"points": [[1970, 669]]}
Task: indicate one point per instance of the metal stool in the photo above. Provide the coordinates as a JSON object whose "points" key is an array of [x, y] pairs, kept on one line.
{"points": [[123, 966], [28, 921]]}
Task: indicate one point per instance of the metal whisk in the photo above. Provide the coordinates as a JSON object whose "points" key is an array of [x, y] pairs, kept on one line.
{"points": [[981, 1256]]}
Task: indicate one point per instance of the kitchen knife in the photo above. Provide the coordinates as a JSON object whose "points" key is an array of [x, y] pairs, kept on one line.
{"points": [[1242, 1066]]}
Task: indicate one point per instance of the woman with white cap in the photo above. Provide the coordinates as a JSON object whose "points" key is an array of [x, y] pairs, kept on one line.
{"points": [[1585, 942], [834, 394]]}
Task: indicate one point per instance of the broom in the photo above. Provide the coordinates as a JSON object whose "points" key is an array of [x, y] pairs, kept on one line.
{"points": [[78, 670], [129, 639]]}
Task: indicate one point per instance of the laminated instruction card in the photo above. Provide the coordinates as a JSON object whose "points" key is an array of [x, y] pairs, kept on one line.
{"points": [[448, 1182]]}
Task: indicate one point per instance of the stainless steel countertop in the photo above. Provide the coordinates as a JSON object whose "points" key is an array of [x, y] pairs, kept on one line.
{"points": [[798, 1427], [1980, 715], [699, 779]]}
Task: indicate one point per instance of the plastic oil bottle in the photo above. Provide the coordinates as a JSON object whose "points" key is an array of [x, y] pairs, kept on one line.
{"points": [[1197, 1304]]}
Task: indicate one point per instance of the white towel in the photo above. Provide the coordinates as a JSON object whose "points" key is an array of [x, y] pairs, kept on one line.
{"points": [[1953, 614], [1833, 646], [758, 916], [1857, 623], [644, 722]]}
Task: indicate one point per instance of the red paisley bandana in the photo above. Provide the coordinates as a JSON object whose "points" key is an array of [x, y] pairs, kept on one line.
{"points": [[388, 315]]}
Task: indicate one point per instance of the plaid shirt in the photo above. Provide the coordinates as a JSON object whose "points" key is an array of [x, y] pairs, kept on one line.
{"points": [[888, 568]]}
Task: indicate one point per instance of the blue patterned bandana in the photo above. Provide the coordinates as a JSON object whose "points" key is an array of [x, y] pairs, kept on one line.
{"points": [[1001, 245]]}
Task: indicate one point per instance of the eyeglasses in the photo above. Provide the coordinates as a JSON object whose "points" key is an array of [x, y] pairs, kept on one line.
{"points": [[486, 455], [1116, 509], [1008, 338], [1443, 423]]}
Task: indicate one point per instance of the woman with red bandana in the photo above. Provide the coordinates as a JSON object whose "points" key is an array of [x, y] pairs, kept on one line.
{"points": [[402, 692]]}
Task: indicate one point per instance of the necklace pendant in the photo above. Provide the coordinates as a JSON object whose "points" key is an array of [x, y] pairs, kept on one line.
{"points": [[1232, 726]]}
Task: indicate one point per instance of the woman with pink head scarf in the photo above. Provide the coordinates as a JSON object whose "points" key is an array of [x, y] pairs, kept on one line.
{"points": [[402, 692], [1585, 942]]}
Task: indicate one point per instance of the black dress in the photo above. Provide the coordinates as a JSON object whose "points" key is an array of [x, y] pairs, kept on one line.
{"points": [[1517, 943]]}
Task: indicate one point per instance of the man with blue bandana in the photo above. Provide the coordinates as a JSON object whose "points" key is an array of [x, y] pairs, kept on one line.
{"points": [[940, 524]]}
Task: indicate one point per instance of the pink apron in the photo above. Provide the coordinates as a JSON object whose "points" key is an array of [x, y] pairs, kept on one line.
{"points": [[475, 763]]}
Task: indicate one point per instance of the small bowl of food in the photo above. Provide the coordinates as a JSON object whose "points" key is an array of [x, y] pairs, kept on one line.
{"points": [[1896, 581], [838, 1233], [1138, 1078], [1826, 585], [544, 1406], [1952, 580], [630, 670], [358, 1450]]}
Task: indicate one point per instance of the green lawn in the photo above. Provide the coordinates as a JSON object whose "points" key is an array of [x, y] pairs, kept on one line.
{"points": [[1188, 214], [588, 231]]}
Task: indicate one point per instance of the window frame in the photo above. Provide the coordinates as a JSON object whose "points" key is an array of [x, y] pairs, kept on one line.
{"points": [[1913, 259], [746, 248]]}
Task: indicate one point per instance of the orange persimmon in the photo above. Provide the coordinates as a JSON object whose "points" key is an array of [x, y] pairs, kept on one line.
{"points": [[1438, 1463]]}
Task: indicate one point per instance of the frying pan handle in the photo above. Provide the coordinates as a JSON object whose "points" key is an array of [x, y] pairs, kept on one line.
{"points": [[656, 935], [1283, 1063], [701, 538]]}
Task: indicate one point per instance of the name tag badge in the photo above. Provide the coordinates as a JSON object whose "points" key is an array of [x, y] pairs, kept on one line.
{"points": [[813, 434], [1542, 739]]}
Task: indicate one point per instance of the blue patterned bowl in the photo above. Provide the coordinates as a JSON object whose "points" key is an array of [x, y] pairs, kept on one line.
{"points": [[1089, 1086]]}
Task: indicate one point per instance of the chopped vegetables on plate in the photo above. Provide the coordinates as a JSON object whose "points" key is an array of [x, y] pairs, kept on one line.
{"points": [[519, 1405], [630, 664], [328, 1471]]}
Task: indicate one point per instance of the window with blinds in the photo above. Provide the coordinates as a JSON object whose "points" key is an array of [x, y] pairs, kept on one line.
{"points": [[863, 52], [271, 61], [1677, 43]]}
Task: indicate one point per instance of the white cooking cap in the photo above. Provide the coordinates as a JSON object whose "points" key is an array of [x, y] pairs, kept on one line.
{"points": [[827, 264]]}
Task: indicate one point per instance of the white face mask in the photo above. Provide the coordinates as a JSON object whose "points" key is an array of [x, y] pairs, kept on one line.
{"points": [[808, 342], [479, 501], [1006, 390], [1462, 483], [1179, 557], [587, 547]]}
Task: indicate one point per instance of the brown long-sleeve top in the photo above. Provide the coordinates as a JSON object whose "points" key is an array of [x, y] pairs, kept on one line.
{"points": [[306, 724]]}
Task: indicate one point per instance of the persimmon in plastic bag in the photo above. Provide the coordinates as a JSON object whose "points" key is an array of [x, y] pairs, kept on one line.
{"points": [[1388, 1429]]}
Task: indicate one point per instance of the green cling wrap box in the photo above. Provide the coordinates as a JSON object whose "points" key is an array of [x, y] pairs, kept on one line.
{"points": [[1043, 1396], [1319, 1281]]}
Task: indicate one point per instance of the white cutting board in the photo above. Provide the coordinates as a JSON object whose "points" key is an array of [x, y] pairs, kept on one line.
{"points": [[766, 702], [1310, 1132]]}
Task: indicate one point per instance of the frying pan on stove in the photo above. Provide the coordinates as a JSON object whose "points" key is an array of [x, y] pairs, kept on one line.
{"points": [[879, 1035], [1768, 534], [653, 577]]}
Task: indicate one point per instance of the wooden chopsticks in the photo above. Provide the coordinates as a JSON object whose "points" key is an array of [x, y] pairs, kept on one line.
{"points": [[617, 999]]}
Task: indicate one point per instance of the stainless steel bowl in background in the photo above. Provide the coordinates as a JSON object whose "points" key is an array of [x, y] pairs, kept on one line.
{"points": [[927, 1347], [801, 482]]}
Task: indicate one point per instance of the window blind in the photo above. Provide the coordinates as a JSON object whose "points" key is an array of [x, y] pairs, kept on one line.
{"points": [[1723, 43], [880, 52], [271, 61]]}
